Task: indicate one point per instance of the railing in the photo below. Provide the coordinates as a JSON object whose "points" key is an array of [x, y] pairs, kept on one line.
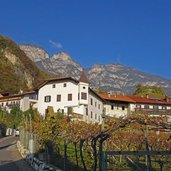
{"points": [[133, 153]]}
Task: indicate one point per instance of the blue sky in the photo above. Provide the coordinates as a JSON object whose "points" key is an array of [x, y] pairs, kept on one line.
{"points": [[135, 33]]}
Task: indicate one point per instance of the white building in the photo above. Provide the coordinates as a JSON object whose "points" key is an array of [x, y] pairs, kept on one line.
{"points": [[121, 105], [116, 105], [64, 94], [24, 100]]}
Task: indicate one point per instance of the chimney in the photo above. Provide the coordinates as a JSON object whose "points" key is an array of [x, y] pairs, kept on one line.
{"points": [[109, 94], [147, 96], [166, 98]]}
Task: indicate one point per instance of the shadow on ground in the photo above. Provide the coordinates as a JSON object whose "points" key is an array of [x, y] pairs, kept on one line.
{"points": [[19, 165]]}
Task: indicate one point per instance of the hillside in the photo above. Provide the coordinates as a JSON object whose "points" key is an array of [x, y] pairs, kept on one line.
{"points": [[119, 78], [111, 77], [17, 70]]}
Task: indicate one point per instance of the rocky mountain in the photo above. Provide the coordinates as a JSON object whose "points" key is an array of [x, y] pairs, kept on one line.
{"points": [[111, 77], [119, 78], [35, 53], [60, 64], [17, 70]]}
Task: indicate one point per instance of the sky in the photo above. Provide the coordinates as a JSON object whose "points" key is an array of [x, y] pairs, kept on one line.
{"points": [[134, 33]]}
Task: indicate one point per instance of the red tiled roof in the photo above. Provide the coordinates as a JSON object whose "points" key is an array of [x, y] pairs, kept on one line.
{"points": [[139, 99], [96, 94], [134, 99], [116, 98]]}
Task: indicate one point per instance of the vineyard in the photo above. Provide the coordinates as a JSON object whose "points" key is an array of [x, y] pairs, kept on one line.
{"points": [[76, 145]]}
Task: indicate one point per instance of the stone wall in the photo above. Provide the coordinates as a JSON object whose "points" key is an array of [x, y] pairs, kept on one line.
{"points": [[35, 163]]}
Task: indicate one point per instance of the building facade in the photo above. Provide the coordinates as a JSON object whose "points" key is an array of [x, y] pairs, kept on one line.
{"points": [[124, 105], [116, 106], [64, 94], [25, 101]]}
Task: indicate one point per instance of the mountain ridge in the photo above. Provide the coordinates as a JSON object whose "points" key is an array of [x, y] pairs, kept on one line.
{"points": [[111, 77]]}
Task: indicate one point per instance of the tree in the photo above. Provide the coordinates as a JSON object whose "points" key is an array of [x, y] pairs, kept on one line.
{"points": [[17, 114], [152, 91]]}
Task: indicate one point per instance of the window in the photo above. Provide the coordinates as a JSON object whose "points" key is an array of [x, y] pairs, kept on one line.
{"points": [[53, 86], [84, 96], [163, 107], [58, 99], [99, 106], [142, 106], [138, 106], [155, 107], [91, 101], [95, 116], [150, 107], [91, 114], [84, 88], [95, 104], [159, 107], [146, 106], [112, 107], [69, 97], [86, 111], [65, 84], [99, 118], [47, 98], [123, 107], [117, 106]]}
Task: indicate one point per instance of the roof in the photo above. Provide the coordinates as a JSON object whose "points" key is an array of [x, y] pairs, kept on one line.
{"points": [[97, 95], [5, 93], [134, 99], [16, 96], [139, 99], [7, 98], [55, 79], [83, 78], [116, 98]]}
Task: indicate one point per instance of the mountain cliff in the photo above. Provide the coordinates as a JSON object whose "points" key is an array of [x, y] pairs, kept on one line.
{"points": [[17, 70], [35, 53], [111, 77], [60, 64], [119, 78]]}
